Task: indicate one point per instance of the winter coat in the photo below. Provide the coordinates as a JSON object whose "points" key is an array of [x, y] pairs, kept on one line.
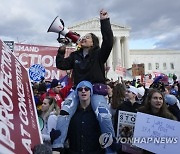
{"points": [[91, 67]]}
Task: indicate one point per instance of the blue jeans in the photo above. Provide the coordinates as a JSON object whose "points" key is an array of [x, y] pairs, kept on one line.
{"points": [[100, 107]]}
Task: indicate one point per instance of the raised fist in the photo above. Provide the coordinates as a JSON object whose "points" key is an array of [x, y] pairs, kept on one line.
{"points": [[103, 14]]}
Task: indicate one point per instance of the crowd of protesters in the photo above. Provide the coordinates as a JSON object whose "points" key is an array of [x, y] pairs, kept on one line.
{"points": [[159, 99], [82, 118]]}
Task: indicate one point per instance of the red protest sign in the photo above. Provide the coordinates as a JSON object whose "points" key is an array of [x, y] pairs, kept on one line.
{"points": [[29, 55], [19, 129]]}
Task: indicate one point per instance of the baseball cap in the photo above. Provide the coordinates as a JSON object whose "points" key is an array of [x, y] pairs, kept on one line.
{"points": [[133, 89], [55, 83]]}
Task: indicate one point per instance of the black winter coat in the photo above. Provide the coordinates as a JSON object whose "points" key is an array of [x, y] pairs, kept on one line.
{"points": [[90, 67], [84, 132]]}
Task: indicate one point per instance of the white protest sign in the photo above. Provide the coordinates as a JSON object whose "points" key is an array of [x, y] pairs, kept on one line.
{"points": [[156, 134]]}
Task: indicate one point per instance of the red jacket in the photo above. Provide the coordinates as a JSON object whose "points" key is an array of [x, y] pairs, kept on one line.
{"points": [[59, 97]]}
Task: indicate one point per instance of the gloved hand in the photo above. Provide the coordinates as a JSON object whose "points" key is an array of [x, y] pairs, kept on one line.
{"points": [[54, 134], [116, 146]]}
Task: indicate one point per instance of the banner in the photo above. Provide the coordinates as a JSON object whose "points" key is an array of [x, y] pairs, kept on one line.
{"points": [[19, 129], [29, 55], [156, 134]]}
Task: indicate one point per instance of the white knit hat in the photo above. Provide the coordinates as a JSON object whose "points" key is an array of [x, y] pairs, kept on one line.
{"points": [[133, 90], [141, 91]]}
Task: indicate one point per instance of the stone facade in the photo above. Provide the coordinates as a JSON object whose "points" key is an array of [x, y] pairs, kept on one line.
{"points": [[164, 61]]}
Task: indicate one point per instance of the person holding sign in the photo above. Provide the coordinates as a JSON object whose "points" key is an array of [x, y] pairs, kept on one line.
{"points": [[88, 64], [155, 105], [130, 104]]}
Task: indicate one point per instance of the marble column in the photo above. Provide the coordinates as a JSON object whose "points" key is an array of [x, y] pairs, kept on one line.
{"points": [[122, 52], [117, 51], [126, 53]]}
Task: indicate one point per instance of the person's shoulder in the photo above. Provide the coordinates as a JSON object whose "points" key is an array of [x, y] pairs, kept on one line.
{"points": [[137, 104], [171, 117], [142, 109], [52, 116], [122, 105], [51, 93]]}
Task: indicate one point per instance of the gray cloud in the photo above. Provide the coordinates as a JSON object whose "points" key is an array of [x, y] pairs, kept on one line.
{"points": [[28, 21]]}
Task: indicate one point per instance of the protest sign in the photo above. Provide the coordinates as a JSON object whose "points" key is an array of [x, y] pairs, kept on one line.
{"points": [[126, 122], [121, 71], [138, 69], [125, 130], [37, 72], [29, 55], [10, 44], [156, 134], [19, 128]]}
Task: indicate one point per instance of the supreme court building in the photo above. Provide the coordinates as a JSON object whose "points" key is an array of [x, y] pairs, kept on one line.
{"points": [[164, 61]]}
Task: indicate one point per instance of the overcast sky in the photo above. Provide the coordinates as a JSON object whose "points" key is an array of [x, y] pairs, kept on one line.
{"points": [[153, 23]]}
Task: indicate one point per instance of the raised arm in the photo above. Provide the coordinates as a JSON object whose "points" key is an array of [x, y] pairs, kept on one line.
{"points": [[107, 36]]}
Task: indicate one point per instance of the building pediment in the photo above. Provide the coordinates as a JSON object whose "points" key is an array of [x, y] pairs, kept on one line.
{"points": [[94, 24]]}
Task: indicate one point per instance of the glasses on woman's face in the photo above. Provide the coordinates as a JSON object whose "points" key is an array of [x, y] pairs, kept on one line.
{"points": [[80, 89]]}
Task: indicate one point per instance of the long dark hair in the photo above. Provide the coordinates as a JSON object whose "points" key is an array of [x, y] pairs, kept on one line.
{"points": [[163, 112], [118, 95], [95, 40], [95, 46]]}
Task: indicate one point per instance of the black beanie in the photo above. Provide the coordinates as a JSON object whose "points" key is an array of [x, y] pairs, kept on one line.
{"points": [[55, 83]]}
